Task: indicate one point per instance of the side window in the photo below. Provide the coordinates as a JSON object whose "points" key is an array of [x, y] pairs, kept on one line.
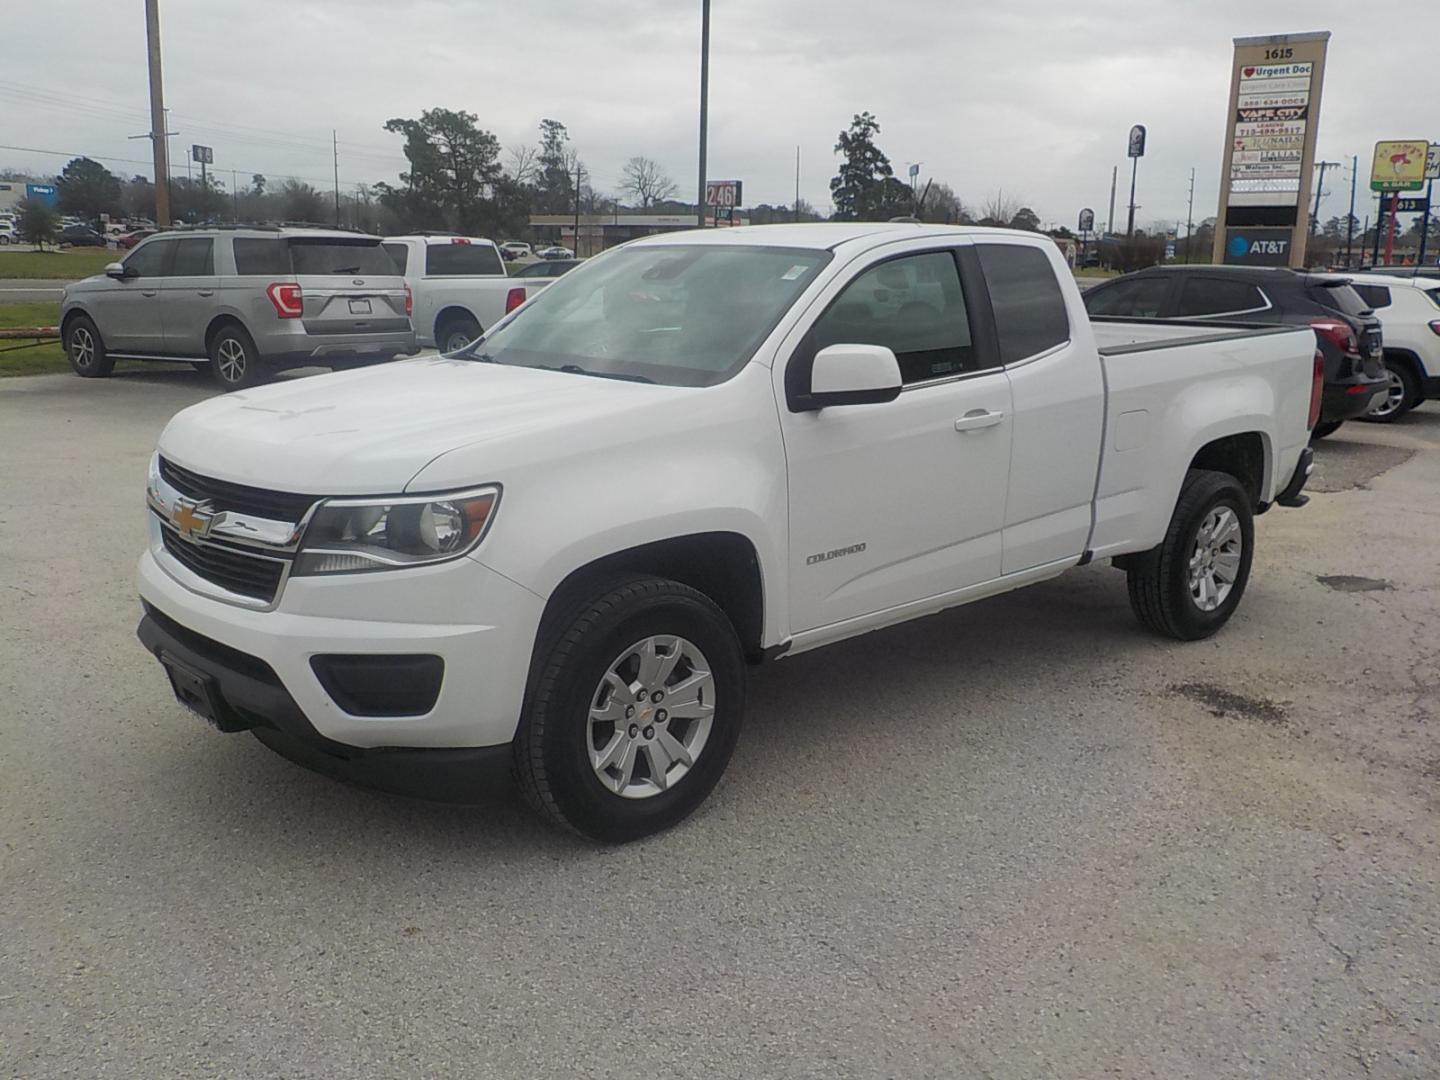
{"points": [[194, 257], [912, 305], [1138, 298], [261, 256], [150, 258], [1029, 307], [1205, 295], [400, 253], [1377, 296]]}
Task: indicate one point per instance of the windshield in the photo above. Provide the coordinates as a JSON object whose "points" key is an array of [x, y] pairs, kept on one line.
{"points": [[688, 315], [327, 256]]}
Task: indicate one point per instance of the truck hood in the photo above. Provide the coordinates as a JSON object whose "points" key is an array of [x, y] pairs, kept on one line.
{"points": [[369, 432]]}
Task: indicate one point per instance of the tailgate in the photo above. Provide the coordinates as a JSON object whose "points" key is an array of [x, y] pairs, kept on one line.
{"points": [[349, 286]]}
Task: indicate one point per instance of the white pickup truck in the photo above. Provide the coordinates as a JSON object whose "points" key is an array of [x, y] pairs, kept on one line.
{"points": [[560, 549], [459, 287]]}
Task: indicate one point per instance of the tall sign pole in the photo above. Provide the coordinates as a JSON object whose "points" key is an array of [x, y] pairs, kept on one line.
{"points": [[1432, 173], [1399, 165], [1135, 153], [1273, 117], [157, 114], [1114, 178], [704, 105]]}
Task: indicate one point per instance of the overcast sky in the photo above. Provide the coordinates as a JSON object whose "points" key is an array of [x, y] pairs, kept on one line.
{"points": [[1032, 96]]}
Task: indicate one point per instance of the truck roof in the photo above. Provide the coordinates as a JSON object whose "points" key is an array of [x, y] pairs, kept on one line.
{"points": [[825, 235]]}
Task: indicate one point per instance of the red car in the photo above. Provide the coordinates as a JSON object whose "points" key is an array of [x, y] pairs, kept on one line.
{"points": [[129, 240]]}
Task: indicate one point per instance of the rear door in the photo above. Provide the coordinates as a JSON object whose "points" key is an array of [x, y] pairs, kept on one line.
{"points": [[188, 295], [349, 284], [128, 311]]}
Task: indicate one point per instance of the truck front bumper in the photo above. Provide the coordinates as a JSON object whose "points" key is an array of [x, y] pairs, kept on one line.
{"points": [[337, 665]]}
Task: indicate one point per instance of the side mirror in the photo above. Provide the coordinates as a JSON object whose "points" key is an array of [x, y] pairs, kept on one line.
{"points": [[117, 270], [852, 375]]}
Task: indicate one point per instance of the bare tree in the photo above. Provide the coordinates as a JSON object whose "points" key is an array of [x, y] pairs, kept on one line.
{"points": [[521, 163], [646, 182], [999, 209]]}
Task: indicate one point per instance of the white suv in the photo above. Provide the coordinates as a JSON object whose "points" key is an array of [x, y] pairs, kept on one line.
{"points": [[1409, 310]]}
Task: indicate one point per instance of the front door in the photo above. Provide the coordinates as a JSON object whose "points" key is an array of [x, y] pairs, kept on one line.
{"points": [[897, 502], [188, 296], [127, 310]]}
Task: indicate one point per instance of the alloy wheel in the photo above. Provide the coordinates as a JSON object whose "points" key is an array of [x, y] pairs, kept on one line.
{"points": [[231, 357], [82, 347], [1394, 397], [1215, 558]]}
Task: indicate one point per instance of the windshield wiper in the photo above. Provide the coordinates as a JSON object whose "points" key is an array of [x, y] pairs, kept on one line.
{"points": [[576, 369], [345, 270]]}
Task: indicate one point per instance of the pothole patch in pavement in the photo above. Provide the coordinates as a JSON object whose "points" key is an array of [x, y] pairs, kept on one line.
{"points": [[1224, 703], [1351, 583], [1346, 466]]}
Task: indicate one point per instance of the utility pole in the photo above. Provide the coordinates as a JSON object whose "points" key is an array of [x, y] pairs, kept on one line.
{"points": [[1320, 191], [1350, 220], [335, 153], [579, 173], [235, 193], [1190, 216], [797, 183], [1110, 221], [704, 104], [157, 114]]}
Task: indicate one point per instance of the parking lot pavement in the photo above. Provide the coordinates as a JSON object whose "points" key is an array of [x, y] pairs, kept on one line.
{"points": [[1018, 840]]}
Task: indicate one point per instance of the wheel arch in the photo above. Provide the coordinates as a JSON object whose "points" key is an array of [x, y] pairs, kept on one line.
{"points": [[223, 319], [1245, 456], [1411, 360], [452, 312]]}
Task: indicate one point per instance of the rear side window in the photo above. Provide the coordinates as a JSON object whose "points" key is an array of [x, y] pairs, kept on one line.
{"points": [[194, 257], [1137, 298], [1340, 297], [1203, 295], [322, 257], [469, 259], [261, 256], [150, 258], [400, 253], [1377, 296], [915, 307], [1029, 307], [1434, 295]]}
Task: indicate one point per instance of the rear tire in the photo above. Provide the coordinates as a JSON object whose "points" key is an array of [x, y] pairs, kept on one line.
{"points": [[1328, 427], [85, 350], [456, 333], [574, 758], [1401, 394], [234, 360], [1179, 588]]}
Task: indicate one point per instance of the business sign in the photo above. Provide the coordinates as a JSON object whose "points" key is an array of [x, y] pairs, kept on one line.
{"points": [[1399, 165], [204, 155], [1137, 141], [722, 193], [1258, 247], [1410, 206], [1274, 109], [1087, 220], [1432, 162], [44, 193]]}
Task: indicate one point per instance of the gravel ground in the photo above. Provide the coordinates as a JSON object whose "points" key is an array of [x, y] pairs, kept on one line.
{"points": [[1018, 840]]}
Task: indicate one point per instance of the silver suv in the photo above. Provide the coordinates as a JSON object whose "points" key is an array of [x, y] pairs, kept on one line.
{"points": [[241, 302]]}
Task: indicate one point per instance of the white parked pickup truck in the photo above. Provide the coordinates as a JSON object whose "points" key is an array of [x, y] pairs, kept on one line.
{"points": [[559, 549], [459, 286]]}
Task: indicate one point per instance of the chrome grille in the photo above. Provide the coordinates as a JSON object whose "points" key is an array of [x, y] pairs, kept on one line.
{"points": [[235, 571], [225, 495]]}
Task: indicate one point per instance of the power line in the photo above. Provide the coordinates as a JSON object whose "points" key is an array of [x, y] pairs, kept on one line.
{"points": [[134, 161]]}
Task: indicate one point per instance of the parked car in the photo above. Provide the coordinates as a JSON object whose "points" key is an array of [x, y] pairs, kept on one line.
{"points": [[126, 241], [241, 303], [550, 268], [560, 548], [1348, 331], [8, 233], [81, 236], [556, 251], [1432, 272], [1409, 309], [515, 249], [459, 286]]}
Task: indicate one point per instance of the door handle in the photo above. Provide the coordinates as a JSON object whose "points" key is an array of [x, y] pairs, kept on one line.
{"points": [[977, 419], [207, 292], [149, 292]]}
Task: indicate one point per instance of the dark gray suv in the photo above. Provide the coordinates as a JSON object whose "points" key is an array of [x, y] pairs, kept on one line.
{"points": [[240, 303]]}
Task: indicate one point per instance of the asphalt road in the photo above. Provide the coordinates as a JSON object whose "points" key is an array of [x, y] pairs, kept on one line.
{"points": [[1015, 841]]}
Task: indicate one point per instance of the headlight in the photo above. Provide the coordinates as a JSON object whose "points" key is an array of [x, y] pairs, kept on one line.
{"points": [[348, 536]]}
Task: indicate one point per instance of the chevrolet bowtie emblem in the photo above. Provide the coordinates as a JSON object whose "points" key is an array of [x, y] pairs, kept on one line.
{"points": [[191, 519]]}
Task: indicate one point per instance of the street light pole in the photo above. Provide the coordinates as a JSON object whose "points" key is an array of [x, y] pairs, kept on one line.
{"points": [[704, 105], [1134, 168]]}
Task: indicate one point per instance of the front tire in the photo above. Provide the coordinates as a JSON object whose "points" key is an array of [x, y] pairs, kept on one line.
{"points": [[85, 350], [234, 360], [1401, 393], [635, 710], [1191, 583]]}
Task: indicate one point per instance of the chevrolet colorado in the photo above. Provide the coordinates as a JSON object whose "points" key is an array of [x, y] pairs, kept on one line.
{"points": [[556, 551]]}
